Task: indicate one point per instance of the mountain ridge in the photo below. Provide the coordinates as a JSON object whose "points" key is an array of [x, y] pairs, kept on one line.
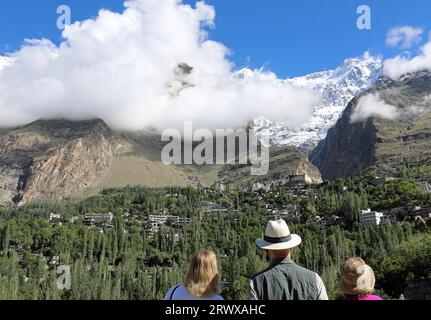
{"points": [[51, 159], [54, 159], [336, 89], [377, 142]]}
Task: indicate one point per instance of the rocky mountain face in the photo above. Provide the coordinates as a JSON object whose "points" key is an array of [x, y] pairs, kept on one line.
{"points": [[57, 159], [284, 163], [397, 130], [53, 159], [336, 88]]}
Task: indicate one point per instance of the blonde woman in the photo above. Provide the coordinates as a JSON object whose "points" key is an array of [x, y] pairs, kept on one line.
{"points": [[203, 280]]}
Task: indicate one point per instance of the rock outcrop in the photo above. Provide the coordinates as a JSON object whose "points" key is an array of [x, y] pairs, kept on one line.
{"points": [[284, 163], [352, 147], [53, 159]]}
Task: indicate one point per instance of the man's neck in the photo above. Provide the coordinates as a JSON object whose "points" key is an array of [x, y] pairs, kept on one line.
{"points": [[279, 258]]}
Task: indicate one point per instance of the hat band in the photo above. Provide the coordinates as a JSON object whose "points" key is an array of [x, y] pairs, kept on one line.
{"points": [[278, 240]]}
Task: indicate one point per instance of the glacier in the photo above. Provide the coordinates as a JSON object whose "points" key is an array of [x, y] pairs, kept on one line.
{"points": [[336, 89]]}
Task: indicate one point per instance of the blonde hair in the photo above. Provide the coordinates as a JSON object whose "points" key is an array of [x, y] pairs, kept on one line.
{"points": [[203, 278]]}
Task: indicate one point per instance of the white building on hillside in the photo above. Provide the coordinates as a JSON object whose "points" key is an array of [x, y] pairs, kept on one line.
{"points": [[301, 179], [368, 217], [53, 217], [157, 221], [98, 218]]}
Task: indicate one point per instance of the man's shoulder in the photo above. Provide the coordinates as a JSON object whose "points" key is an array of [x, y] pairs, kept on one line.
{"points": [[291, 266], [306, 271], [308, 274], [261, 273]]}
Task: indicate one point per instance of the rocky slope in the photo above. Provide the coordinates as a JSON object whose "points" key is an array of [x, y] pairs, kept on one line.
{"points": [[336, 88], [284, 162], [53, 159], [383, 140], [57, 159]]}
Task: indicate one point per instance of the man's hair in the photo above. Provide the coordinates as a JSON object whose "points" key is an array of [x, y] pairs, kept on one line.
{"points": [[203, 278]]}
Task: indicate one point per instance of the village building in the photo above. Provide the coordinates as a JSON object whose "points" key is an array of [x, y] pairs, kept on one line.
{"points": [[157, 221], [369, 217], [301, 179], [54, 217], [98, 218]]}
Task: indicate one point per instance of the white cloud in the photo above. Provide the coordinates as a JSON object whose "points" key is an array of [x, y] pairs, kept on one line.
{"points": [[372, 105], [405, 36], [119, 66], [4, 61], [400, 65]]}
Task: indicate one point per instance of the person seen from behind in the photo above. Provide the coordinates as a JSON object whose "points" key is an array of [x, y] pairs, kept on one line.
{"points": [[202, 282], [357, 280], [284, 279]]}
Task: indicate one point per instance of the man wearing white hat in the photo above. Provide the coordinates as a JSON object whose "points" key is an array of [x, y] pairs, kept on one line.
{"points": [[283, 279]]}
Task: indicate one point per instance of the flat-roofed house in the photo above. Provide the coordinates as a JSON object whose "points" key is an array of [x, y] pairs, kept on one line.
{"points": [[98, 218], [369, 217]]}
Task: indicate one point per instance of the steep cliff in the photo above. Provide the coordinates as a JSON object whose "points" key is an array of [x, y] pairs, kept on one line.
{"points": [[397, 130], [53, 159], [57, 159]]}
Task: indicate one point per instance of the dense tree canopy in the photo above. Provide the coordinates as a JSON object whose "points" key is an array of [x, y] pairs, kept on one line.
{"points": [[129, 260]]}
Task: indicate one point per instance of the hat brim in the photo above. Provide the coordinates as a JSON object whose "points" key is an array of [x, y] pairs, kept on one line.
{"points": [[292, 243]]}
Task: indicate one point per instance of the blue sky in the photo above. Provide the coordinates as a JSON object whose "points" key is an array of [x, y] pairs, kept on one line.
{"points": [[289, 37]]}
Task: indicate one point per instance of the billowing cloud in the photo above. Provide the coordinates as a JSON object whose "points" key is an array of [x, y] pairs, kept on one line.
{"points": [[4, 61], [400, 65], [405, 36], [372, 105], [124, 68]]}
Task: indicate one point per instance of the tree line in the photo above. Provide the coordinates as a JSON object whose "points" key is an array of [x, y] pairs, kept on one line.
{"points": [[129, 262]]}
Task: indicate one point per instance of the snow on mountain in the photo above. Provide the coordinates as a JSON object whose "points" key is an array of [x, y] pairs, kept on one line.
{"points": [[336, 88]]}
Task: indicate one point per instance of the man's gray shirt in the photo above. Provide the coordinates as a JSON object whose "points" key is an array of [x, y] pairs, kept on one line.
{"points": [[285, 280]]}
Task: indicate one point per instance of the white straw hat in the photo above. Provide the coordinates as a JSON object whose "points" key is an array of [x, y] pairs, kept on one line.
{"points": [[278, 237]]}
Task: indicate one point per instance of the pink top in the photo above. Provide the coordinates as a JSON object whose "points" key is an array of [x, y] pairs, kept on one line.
{"points": [[368, 297]]}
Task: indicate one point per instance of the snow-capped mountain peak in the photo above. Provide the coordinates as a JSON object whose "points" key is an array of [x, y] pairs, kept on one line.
{"points": [[336, 87]]}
